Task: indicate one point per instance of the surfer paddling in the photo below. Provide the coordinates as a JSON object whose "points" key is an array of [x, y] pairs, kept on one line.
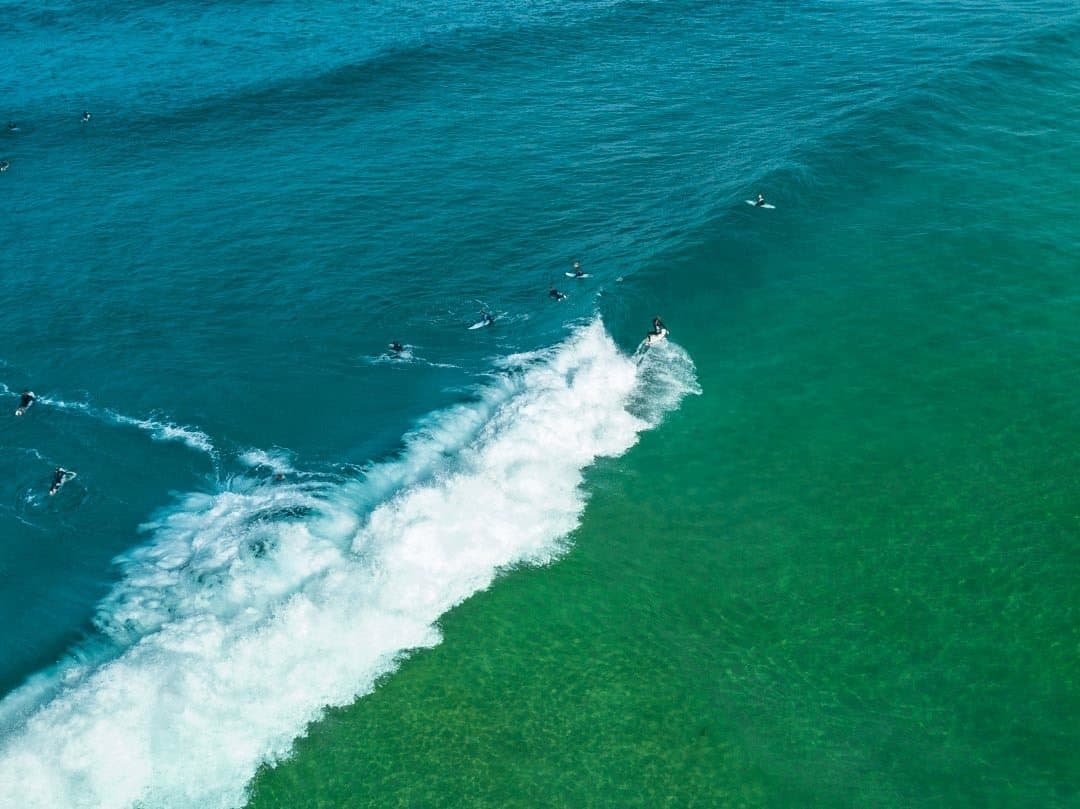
{"points": [[60, 477], [555, 295], [26, 399]]}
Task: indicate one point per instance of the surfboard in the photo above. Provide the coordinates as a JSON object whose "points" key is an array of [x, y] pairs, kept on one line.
{"points": [[652, 337], [572, 275], [480, 324], [20, 410], [766, 205], [68, 475]]}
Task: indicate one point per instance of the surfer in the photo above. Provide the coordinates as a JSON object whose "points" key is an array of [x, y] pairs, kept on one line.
{"points": [[12, 126], [760, 201], [554, 294], [4, 165], [25, 400], [486, 317], [396, 347], [60, 477], [85, 117], [658, 326], [577, 270]]}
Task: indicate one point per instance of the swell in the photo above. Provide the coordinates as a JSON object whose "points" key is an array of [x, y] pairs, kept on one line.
{"points": [[401, 73], [892, 129], [399, 61], [950, 96]]}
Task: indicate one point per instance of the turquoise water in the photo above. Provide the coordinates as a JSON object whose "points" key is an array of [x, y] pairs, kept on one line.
{"points": [[820, 548]]}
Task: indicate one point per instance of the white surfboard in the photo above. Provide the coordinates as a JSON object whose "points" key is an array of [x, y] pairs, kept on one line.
{"points": [[574, 275], [481, 324], [68, 475], [653, 337], [20, 410], [766, 205]]}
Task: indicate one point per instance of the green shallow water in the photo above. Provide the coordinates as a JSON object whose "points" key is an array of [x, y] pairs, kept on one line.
{"points": [[846, 574]]}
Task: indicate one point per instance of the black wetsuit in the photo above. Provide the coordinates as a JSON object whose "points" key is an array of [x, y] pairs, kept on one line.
{"points": [[59, 476], [26, 400]]}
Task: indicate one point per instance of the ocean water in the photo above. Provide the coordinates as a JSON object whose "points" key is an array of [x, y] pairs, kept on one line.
{"points": [[820, 548]]}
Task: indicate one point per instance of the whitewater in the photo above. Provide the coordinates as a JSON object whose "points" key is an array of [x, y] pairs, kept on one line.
{"points": [[249, 611]]}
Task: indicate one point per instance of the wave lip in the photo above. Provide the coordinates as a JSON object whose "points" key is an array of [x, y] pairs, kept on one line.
{"points": [[250, 611]]}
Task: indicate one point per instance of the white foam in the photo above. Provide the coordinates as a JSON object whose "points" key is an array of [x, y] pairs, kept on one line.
{"points": [[167, 431], [251, 610], [277, 461], [159, 430], [667, 374]]}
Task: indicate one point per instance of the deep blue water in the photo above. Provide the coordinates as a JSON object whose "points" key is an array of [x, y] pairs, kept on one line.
{"points": [[201, 281]]}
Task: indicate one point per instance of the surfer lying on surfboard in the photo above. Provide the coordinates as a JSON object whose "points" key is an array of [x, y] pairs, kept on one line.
{"points": [[486, 319], [554, 294], [25, 400], [60, 477], [760, 201]]}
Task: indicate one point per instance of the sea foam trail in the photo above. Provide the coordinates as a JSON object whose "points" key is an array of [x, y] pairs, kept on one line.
{"points": [[251, 610], [167, 431], [159, 430]]}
